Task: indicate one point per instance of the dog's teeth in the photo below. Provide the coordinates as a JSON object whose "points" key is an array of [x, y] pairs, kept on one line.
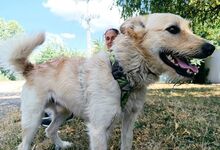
{"points": [[169, 57], [189, 71], [173, 61]]}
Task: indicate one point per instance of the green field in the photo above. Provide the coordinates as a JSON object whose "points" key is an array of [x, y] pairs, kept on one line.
{"points": [[185, 117]]}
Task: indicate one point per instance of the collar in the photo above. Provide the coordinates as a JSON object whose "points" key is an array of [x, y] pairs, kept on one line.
{"points": [[120, 77]]}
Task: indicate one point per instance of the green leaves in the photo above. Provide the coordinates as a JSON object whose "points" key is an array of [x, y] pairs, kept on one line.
{"points": [[197, 62], [9, 29], [98, 46], [50, 52], [204, 14]]}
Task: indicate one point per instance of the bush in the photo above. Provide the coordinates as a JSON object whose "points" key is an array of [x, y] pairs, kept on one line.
{"points": [[9, 29], [50, 52], [7, 73]]}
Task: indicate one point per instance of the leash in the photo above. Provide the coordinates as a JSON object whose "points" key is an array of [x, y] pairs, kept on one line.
{"points": [[120, 77]]}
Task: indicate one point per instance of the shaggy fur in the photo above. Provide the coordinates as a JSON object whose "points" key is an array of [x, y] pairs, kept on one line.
{"points": [[86, 87]]}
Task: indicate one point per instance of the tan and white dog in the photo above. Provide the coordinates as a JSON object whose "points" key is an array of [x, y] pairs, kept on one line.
{"points": [[148, 46]]}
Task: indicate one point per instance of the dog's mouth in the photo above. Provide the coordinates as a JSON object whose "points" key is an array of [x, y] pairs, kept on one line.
{"points": [[181, 65]]}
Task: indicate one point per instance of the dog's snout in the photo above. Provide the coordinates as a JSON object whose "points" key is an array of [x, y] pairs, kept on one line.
{"points": [[208, 49]]}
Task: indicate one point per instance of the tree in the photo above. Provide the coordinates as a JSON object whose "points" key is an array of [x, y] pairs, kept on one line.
{"points": [[98, 46], [7, 30], [53, 50], [204, 14]]}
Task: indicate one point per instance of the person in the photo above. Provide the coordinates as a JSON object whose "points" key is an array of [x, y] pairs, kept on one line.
{"points": [[109, 36]]}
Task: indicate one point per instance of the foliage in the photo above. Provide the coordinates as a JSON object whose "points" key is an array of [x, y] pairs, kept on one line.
{"points": [[9, 29], [51, 51], [197, 62], [3, 78], [201, 76], [204, 14], [7, 73], [98, 46]]}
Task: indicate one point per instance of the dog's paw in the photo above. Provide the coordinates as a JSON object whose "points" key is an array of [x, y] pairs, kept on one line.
{"points": [[20, 146], [65, 144]]}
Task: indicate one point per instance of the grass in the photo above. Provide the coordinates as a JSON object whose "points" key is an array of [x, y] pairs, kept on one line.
{"points": [[185, 117]]}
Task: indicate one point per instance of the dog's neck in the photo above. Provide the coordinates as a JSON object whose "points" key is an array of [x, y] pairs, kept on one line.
{"points": [[137, 68]]}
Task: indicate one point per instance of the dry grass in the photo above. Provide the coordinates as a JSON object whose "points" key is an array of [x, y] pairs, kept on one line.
{"points": [[185, 117]]}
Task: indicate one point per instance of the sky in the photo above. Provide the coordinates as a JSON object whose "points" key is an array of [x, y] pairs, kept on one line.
{"points": [[63, 20]]}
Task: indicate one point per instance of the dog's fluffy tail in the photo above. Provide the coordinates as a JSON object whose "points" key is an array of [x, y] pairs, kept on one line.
{"points": [[14, 52]]}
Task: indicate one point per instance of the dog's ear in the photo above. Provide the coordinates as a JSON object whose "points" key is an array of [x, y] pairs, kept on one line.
{"points": [[134, 27]]}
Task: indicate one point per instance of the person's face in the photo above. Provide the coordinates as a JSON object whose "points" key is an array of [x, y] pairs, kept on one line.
{"points": [[109, 37]]}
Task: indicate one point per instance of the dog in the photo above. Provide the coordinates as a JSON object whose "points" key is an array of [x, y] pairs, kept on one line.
{"points": [[147, 47]]}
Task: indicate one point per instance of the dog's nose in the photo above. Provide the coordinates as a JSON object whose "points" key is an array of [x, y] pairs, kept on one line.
{"points": [[208, 49]]}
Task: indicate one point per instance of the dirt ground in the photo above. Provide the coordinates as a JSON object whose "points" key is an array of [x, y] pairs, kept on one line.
{"points": [[9, 96]]}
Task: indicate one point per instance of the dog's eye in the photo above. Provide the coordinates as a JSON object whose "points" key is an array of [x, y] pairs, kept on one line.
{"points": [[173, 29]]}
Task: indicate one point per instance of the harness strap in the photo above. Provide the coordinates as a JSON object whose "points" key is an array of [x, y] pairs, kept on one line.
{"points": [[120, 77]]}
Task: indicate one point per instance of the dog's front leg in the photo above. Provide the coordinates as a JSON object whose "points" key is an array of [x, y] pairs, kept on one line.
{"points": [[128, 120], [130, 113]]}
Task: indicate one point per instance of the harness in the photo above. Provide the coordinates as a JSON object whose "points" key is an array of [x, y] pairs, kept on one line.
{"points": [[120, 77]]}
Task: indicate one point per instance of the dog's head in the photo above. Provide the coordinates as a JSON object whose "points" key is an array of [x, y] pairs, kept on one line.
{"points": [[169, 39]]}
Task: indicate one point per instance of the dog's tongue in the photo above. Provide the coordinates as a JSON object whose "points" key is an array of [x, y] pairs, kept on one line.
{"points": [[184, 65]]}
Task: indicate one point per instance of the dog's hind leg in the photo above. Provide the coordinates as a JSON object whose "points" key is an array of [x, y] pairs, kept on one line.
{"points": [[32, 108], [60, 115]]}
